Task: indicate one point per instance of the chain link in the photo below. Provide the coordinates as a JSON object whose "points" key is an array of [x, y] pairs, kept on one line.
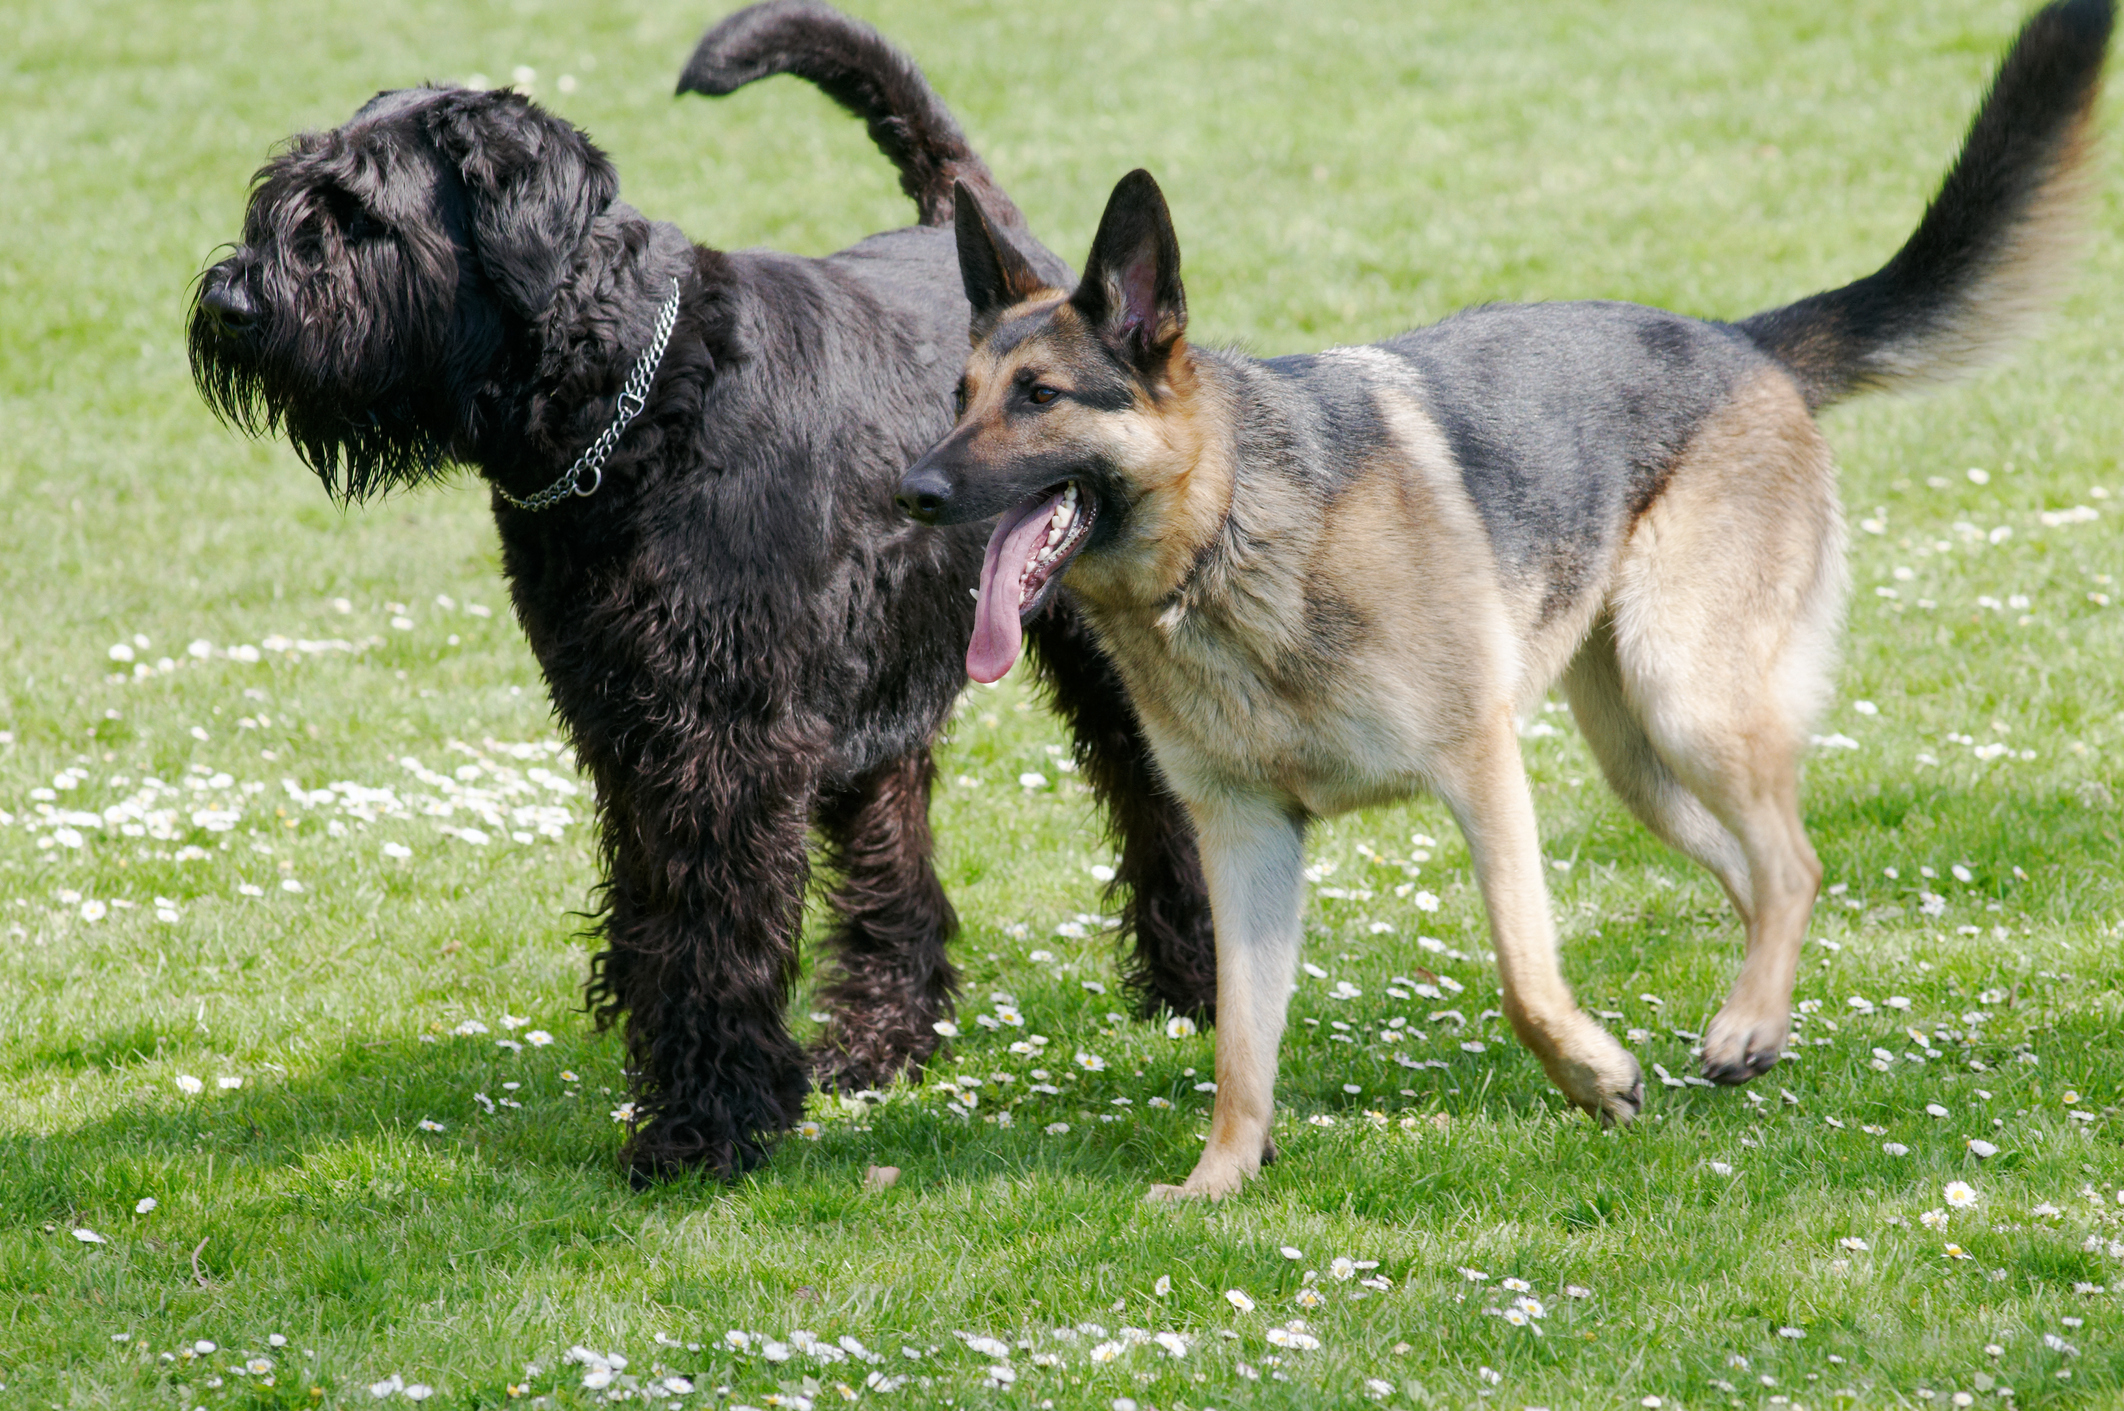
{"points": [[634, 396]]}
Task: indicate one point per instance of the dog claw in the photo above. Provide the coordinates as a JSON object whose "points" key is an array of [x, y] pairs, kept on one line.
{"points": [[1622, 1109], [1733, 1073], [1738, 1052]]}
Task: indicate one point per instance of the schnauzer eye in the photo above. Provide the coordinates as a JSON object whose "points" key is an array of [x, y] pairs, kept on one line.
{"points": [[366, 227], [1040, 396]]}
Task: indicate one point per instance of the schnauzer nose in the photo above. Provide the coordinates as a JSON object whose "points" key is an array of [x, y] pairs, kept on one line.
{"points": [[229, 304], [924, 493]]}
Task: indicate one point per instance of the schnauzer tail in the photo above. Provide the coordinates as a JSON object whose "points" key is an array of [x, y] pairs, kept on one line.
{"points": [[855, 66], [1994, 245]]}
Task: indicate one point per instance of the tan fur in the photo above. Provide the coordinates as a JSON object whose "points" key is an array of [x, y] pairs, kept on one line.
{"points": [[1310, 618], [1724, 616], [1293, 654], [1696, 657]]}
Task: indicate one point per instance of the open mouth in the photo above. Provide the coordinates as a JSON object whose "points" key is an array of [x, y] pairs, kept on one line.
{"points": [[1032, 544]]}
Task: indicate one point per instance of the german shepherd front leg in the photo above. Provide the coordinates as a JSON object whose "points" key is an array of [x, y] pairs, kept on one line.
{"points": [[1487, 790], [1253, 856]]}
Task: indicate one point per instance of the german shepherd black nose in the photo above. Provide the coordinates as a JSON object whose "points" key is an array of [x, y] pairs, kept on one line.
{"points": [[924, 492]]}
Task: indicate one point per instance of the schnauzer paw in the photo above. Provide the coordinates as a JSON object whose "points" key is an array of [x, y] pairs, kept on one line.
{"points": [[659, 1152], [1741, 1045], [840, 1070]]}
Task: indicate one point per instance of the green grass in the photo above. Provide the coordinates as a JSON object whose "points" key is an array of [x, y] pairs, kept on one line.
{"points": [[1339, 171]]}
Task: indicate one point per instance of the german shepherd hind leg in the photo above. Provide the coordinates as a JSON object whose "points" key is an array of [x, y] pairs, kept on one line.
{"points": [[1713, 653], [1725, 613]]}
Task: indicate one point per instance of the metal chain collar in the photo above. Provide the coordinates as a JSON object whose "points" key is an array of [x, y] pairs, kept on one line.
{"points": [[632, 399]]}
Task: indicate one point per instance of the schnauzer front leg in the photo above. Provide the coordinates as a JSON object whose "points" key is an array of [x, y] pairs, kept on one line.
{"points": [[703, 907], [1485, 785], [888, 981], [1164, 903], [1253, 853]]}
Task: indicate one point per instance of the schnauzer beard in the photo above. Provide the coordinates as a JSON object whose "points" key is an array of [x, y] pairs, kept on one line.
{"points": [[363, 340]]}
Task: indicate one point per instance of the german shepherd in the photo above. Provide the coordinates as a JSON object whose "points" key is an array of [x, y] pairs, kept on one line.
{"points": [[1330, 581]]}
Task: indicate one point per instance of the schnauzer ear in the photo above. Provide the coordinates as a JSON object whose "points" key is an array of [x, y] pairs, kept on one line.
{"points": [[996, 275], [534, 184], [1131, 288]]}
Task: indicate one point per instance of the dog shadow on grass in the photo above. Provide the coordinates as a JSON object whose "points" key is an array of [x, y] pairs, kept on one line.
{"points": [[446, 1145], [387, 1153]]}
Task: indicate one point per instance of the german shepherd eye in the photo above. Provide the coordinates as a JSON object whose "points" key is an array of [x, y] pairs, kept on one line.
{"points": [[958, 400], [1041, 396]]}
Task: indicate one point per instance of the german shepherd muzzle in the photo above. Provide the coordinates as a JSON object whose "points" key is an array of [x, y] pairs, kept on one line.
{"points": [[1330, 581]]}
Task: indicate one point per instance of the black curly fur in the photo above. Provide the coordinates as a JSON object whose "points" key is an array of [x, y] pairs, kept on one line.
{"points": [[741, 636], [853, 65], [1158, 884]]}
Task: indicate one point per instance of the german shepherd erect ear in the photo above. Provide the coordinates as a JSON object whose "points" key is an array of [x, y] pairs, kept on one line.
{"points": [[1131, 288], [996, 275]]}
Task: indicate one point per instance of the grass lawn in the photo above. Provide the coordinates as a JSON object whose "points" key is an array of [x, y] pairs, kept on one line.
{"points": [[295, 1094]]}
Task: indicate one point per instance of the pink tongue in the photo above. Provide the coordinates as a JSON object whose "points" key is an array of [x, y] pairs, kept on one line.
{"points": [[998, 635]]}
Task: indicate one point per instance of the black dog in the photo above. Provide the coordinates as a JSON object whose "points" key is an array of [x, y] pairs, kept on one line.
{"points": [[692, 457]]}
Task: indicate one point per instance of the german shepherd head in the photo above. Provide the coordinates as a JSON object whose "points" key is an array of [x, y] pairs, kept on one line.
{"points": [[1075, 419]]}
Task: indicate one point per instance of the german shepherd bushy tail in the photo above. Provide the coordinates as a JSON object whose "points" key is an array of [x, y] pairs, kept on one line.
{"points": [[858, 68], [1994, 244]]}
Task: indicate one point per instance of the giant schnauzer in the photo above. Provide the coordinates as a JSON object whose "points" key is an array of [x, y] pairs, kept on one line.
{"points": [[692, 456]]}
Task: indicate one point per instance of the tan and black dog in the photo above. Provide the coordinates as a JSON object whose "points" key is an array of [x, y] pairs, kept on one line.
{"points": [[1332, 581]]}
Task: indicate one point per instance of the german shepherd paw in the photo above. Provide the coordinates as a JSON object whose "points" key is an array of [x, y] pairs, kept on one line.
{"points": [[1738, 1047], [1603, 1080], [1193, 1189], [1213, 1178]]}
